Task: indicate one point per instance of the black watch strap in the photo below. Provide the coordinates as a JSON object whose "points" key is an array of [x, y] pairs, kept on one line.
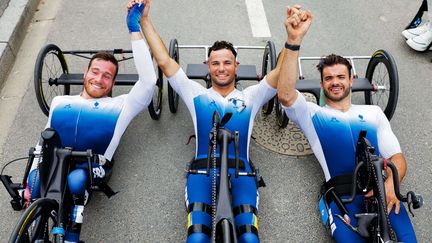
{"points": [[292, 47]]}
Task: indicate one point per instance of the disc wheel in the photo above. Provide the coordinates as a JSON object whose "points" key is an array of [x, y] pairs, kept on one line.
{"points": [[173, 98], [268, 64], [383, 75], [50, 64], [37, 222], [155, 106]]}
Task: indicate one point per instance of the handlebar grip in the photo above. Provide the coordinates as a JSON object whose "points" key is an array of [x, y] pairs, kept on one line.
{"points": [[417, 200], [87, 153]]}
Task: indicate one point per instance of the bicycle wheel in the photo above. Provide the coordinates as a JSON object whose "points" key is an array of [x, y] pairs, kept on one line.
{"points": [[383, 75], [224, 232], [173, 98], [50, 64], [268, 64], [155, 106], [36, 223]]}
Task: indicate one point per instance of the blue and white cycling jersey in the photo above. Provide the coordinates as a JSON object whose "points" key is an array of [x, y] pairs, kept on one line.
{"points": [[244, 106], [98, 124], [202, 102], [333, 134]]}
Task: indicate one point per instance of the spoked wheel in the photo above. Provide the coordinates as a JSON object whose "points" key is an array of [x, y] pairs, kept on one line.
{"points": [[173, 98], [37, 223], [155, 106], [50, 64], [268, 64], [383, 75]]}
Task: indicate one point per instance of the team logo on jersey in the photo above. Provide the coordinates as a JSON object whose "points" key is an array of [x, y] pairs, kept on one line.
{"points": [[334, 119], [68, 106], [96, 105], [361, 118], [238, 104]]}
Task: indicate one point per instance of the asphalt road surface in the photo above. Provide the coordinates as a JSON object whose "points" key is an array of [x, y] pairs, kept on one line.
{"points": [[150, 161]]}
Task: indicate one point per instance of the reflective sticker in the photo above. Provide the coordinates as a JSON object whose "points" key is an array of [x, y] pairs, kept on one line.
{"points": [[189, 220], [333, 228], [255, 221], [79, 214], [323, 211]]}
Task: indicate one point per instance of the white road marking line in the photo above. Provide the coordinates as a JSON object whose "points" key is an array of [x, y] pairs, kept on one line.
{"points": [[257, 18]]}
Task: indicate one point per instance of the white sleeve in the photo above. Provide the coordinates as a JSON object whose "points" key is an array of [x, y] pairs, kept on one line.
{"points": [[259, 94], [187, 89], [140, 95], [388, 143]]}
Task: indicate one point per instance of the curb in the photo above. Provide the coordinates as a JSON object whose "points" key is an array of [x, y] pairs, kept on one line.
{"points": [[13, 28]]}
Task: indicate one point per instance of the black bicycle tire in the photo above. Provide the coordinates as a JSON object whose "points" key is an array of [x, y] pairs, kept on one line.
{"points": [[155, 110], [382, 56], [269, 57], [44, 101], [173, 98], [36, 209]]}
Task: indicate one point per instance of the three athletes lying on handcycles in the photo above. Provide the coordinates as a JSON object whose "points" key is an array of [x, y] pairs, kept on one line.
{"points": [[94, 120]]}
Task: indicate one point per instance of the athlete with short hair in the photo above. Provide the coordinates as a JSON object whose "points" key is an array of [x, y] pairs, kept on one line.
{"points": [[333, 130], [93, 120]]}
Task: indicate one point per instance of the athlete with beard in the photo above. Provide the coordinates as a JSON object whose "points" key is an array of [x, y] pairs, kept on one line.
{"points": [[333, 130], [201, 103]]}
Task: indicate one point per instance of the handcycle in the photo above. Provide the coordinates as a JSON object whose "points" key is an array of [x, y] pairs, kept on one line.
{"points": [[52, 77], [380, 84], [245, 72], [47, 218], [223, 228], [369, 174]]}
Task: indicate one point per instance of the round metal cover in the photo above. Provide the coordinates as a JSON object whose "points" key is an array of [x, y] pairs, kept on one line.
{"points": [[289, 141]]}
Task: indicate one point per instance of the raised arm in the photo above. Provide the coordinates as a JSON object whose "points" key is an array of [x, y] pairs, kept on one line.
{"points": [[160, 53], [297, 24]]}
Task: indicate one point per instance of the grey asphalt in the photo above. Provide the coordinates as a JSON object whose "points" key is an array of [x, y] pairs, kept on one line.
{"points": [[15, 16], [150, 161]]}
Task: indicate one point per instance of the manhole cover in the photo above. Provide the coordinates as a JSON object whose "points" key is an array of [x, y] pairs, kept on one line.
{"points": [[289, 141]]}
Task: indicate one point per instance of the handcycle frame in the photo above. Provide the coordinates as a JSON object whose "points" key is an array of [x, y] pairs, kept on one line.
{"points": [[380, 87], [55, 201], [52, 77], [223, 225], [368, 175]]}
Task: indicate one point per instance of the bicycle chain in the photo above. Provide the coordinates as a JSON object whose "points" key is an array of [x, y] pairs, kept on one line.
{"points": [[214, 192], [382, 202]]}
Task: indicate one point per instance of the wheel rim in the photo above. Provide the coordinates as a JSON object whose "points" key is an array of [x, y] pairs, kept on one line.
{"points": [[39, 229], [51, 70], [381, 81]]}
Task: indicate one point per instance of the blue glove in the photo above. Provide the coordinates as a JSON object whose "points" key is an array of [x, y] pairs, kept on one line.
{"points": [[133, 17]]}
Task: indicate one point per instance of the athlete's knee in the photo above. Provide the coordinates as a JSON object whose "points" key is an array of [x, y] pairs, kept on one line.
{"points": [[77, 181], [248, 238]]}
